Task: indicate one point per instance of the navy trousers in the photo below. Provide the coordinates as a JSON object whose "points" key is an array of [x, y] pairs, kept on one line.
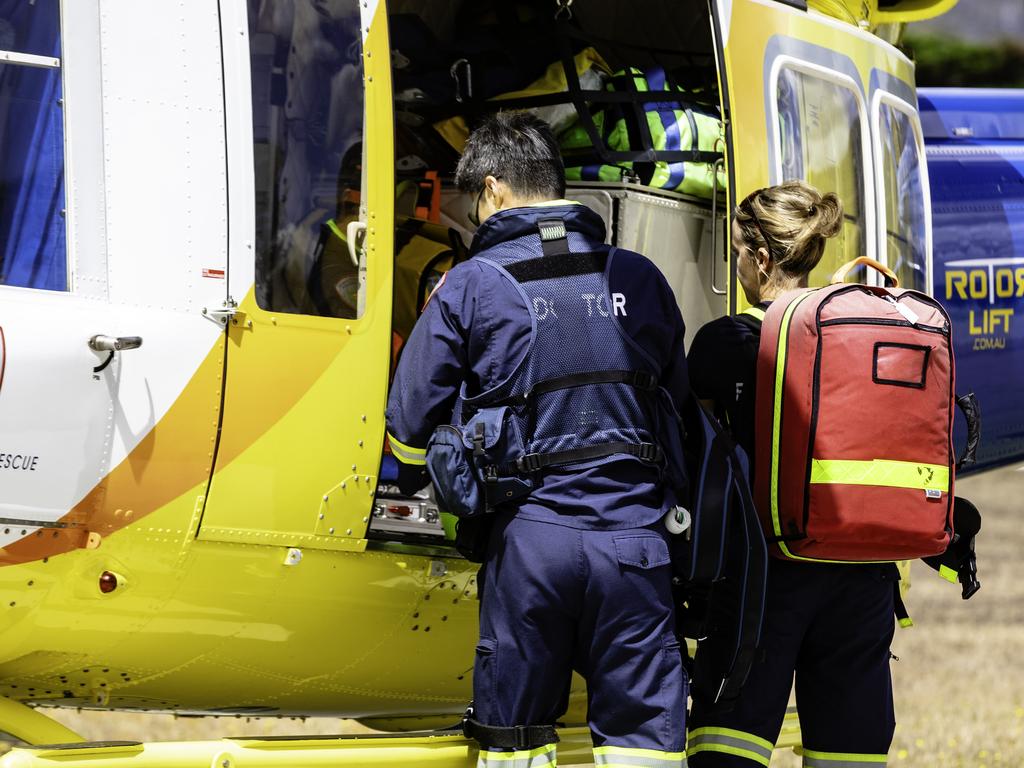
{"points": [[831, 626], [556, 599]]}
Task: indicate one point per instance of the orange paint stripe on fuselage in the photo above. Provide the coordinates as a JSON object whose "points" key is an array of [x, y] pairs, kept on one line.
{"points": [[176, 455]]}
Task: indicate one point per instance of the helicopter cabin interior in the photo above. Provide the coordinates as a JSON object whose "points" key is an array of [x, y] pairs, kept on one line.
{"points": [[633, 90], [630, 88]]}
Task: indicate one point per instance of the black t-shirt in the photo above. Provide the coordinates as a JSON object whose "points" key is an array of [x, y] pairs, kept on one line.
{"points": [[722, 363]]}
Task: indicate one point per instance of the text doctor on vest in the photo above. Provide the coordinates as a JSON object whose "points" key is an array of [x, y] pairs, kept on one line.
{"points": [[561, 359], [829, 625]]}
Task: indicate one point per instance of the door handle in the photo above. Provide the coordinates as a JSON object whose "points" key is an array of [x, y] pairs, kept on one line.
{"points": [[101, 343], [355, 233], [112, 344], [714, 231]]}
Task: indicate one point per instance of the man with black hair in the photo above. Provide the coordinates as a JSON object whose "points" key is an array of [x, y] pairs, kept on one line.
{"points": [[568, 355]]}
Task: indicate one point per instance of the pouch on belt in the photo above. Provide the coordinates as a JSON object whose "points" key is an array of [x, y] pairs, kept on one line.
{"points": [[472, 465]]}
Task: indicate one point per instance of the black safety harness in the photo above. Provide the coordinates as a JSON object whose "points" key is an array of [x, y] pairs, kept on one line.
{"points": [[558, 261]]}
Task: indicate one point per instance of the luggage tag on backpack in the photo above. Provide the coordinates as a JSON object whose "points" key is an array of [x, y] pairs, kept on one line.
{"points": [[910, 315]]}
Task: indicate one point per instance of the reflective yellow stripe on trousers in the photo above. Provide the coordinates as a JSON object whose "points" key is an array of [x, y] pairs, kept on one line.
{"points": [[730, 742], [630, 757], [814, 759], [521, 758]]}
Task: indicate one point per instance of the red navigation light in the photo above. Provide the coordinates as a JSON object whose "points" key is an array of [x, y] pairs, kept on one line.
{"points": [[108, 582]]}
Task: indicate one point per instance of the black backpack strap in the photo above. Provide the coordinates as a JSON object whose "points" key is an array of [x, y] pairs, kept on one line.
{"points": [[711, 494], [899, 607], [730, 557], [747, 527]]}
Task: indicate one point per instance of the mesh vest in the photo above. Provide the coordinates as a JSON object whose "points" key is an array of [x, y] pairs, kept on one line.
{"points": [[584, 390]]}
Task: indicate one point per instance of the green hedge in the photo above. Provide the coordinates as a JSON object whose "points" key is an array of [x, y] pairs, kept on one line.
{"points": [[943, 61]]}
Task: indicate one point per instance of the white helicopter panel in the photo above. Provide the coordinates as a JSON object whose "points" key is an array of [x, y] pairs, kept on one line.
{"points": [[142, 122], [163, 122]]}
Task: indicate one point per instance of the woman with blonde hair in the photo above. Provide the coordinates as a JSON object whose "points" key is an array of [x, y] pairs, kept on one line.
{"points": [[828, 625]]}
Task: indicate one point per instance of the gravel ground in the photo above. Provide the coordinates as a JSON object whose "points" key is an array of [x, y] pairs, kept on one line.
{"points": [[959, 682]]}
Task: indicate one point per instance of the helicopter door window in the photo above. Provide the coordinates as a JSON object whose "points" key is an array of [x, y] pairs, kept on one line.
{"points": [[903, 208], [33, 251], [308, 123], [816, 144]]}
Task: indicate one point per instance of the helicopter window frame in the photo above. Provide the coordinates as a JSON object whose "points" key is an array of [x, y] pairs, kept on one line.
{"points": [[50, 269], [304, 265], [864, 165], [885, 99]]}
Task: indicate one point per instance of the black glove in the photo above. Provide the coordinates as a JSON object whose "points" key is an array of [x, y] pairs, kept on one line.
{"points": [[412, 478], [959, 561]]}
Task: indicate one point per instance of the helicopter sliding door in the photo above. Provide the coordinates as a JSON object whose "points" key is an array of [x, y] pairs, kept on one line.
{"points": [[311, 158], [817, 103]]}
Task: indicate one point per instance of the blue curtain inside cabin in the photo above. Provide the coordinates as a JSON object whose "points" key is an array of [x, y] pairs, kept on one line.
{"points": [[32, 221]]}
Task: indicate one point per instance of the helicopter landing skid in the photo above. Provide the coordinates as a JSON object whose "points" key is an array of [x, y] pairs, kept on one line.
{"points": [[436, 749], [30, 726]]}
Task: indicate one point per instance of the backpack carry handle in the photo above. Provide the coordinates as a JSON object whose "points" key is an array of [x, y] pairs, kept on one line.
{"points": [[891, 280], [972, 412]]}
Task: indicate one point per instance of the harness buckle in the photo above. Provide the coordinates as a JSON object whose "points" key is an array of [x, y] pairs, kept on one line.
{"points": [[490, 477], [645, 380], [529, 463], [648, 452], [478, 439], [522, 736]]}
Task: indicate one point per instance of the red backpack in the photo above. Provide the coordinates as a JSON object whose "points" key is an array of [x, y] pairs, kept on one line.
{"points": [[854, 422]]}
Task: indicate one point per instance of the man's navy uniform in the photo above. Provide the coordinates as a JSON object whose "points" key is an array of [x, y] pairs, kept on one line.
{"points": [[830, 623], [577, 573]]}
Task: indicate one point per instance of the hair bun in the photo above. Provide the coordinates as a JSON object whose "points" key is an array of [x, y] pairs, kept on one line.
{"points": [[792, 220], [828, 212]]}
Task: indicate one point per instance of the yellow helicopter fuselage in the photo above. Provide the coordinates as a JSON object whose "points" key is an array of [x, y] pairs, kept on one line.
{"points": [[198, 526]]}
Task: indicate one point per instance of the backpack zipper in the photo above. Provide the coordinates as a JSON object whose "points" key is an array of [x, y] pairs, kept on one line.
{"points": [[944, 331]]}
